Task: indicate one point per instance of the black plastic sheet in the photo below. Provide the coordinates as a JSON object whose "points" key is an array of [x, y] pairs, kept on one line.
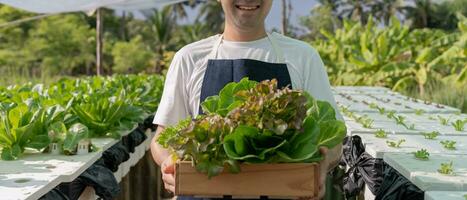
{"points": [[115, 155], [397, 187], [147, 124], [362, 168], [54, 194], [134, 139], [101, 179]]}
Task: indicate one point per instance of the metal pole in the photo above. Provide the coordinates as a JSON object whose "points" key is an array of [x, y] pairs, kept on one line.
{"points": [[99, 25]]}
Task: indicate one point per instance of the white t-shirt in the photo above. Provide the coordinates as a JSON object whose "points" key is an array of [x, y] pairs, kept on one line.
{"points": [[182, 89]]}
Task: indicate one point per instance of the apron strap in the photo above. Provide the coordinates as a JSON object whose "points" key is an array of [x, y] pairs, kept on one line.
{"points": [[275, 47]]}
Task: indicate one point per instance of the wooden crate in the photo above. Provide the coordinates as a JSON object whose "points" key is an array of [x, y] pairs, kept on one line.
{"points": [[286, 180]]}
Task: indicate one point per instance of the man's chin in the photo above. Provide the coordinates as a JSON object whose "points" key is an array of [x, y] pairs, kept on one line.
{"points": [[248, 25]]}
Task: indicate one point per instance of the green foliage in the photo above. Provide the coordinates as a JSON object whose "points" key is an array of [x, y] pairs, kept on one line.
{"points": [[448, 144], [255, 123], [75, 134], [395, 56], [365, 121], [443, 121], [422, 154], [62, 44], [401, 120], [459, 124], [321, 18], [171, 132], [381, 134], [446, 168], [431, 136], [25, 126], [395, 144], [381, 110], [132, 56], [70, 110], [419, 112]]}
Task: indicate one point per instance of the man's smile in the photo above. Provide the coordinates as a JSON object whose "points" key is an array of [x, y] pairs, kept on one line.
{"points": [[248, 7]]}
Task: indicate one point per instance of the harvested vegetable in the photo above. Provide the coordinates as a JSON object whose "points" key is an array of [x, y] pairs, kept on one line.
{"points": [[251, 122]]}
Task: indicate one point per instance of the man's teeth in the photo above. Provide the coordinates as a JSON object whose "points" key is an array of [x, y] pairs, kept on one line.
{"points": [[247, 7]]}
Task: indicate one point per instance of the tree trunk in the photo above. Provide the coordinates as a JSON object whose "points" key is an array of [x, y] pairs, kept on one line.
{"points": [[421, 88], [122, 26], [284, 17], [99, 25]]}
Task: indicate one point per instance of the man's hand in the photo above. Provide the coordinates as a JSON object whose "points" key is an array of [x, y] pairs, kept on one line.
{"points": [[162, 157], [168, 174]]}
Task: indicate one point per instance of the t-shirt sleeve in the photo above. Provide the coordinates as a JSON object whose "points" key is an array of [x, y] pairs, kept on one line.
{"points": [[173, 106], [316, 81]]}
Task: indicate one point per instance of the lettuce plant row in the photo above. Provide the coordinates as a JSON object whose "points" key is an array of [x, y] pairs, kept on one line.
{"points": [[70, 110]]}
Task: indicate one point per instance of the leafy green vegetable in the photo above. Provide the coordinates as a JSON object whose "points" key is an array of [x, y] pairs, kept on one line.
{"points": [[446, 168], [75, 134], [432, 135], [419, 111], [449, 144], [422, 154], [381, 110], [32, 116], [395, 144], [365, 121], [255, 123], [401, 120], [443, 121], [381, 134], [459, 125], [391, 114], [25, 126]]}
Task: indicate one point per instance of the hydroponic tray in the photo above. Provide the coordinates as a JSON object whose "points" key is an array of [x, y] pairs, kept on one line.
{"points": [[360, 102], [400, 101], [425, 175], [377, 147], [33, 175], [360, 89], [434, 117], [354, 128], [391, 126], [445, 195]]}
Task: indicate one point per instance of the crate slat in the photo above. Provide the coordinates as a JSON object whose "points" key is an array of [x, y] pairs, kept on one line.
{"points": [[278, 180]]}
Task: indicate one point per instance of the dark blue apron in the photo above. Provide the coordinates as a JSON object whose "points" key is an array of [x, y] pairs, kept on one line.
{"points": [[220, 72]]}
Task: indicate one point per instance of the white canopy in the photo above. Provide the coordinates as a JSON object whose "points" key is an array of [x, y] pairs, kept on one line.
{"points": [[60, 6]]}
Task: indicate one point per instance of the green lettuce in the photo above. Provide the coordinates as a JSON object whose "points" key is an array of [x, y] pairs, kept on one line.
{"points": [[250, 122]]}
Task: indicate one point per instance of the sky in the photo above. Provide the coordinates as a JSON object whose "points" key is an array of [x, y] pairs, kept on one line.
{"points": [[299, 8]]}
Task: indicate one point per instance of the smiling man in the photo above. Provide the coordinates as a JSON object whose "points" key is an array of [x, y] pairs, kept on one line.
{"points": [[245, 49]]}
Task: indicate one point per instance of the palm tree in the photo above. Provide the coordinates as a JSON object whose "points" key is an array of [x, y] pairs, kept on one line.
{"points": [[212, 15], [284, 17], [179, 8], [385, 9], [418, 14], [354, 9], [161, 26]]}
